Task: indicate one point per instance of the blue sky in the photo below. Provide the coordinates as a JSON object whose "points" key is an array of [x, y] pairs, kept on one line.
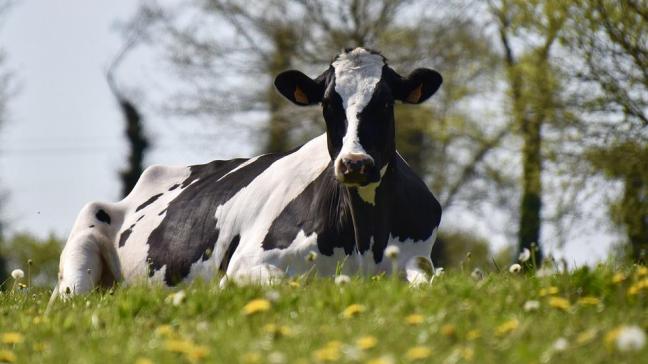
{"points": [[63, 145]]}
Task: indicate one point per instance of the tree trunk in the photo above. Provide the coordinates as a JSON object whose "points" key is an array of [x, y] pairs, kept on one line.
{"points": [[137, 143], [531, 204]]}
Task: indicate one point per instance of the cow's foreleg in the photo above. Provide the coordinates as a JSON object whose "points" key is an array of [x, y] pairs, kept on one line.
{"points": [[264, 274]]}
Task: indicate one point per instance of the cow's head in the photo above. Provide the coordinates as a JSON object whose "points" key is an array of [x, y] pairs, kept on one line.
{"points": [[357, 93]]}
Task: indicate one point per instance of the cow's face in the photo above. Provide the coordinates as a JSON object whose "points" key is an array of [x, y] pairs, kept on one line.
{"points": [[357, 94]]}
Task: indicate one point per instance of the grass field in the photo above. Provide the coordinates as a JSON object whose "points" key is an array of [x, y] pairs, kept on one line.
{"points": [[504, 318]]}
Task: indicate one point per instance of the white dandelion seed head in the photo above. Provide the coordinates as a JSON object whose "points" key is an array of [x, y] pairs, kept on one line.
{"points": [[438, 271], [272, 296], [392, 252], [342, 279], [525, 254], [311, 257], [560, 344], [95, 321], [17, 274], [531, 305], [176, 298], [631, 338], [515, 268], [477, 274]]}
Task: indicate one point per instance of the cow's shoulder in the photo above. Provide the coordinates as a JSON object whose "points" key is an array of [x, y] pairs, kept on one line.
{"points": [[417, 212]]}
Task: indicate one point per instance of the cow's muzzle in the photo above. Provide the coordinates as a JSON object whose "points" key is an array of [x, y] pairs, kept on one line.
{"points": [[355, 169]]}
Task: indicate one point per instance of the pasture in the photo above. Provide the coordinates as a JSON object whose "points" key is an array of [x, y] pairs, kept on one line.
{"points": [[502, 318]]}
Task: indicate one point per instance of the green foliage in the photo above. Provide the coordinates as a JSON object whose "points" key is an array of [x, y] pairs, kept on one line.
{"points": [[463, 250], [43, 253], [455, 318]]}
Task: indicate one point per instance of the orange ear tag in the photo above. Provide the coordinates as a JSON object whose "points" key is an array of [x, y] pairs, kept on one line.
{"points": [[415, 95], [300, 96]]}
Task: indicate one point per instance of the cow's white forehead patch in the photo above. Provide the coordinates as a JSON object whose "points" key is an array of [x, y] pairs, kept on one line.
{"points": [[356, 75]]}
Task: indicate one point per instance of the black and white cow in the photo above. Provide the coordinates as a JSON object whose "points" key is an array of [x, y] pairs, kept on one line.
{"points": [[346, 195]]}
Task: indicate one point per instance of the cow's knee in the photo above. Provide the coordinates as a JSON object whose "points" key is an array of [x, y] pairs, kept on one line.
{"points": [[419, 270], [263, 274]]}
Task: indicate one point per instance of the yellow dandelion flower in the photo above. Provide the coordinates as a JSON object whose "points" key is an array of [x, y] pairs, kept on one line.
{"points": [[142, 360], [548, 291], [418, 353], [448, 330], [366, 342], [294, 284], [40, 347], [256, 306], [611, 336], [618, 278], [353, 310], [329, 352], [178, 346], [641, 271], [507, 327], [251, 358], [12, 338], [468, 353], [637, 287], [588, 301], [381, 360], [164, 330], [7, 356], [414, 319], [559, 303], [586, 336], [473, 335], [197, 352], [277, 330]]}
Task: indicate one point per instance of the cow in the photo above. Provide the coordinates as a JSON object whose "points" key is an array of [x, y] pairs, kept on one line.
{"points": [[346, 196]]}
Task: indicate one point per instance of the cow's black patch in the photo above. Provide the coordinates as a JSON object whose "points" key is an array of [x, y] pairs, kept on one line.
{"points": [[188, 229], [148, 202], [103, 216], [162, 212], [174, 187], [404, 208], [140, 218], [124, 236], [91, 226], [228, 253]]}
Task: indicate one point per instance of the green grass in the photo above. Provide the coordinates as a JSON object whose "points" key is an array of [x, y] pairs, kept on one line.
{"points": [[462, 322]]}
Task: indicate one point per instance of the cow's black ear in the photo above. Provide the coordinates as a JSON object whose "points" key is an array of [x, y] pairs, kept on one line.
{"points": [[299, 88], [419, 85]]}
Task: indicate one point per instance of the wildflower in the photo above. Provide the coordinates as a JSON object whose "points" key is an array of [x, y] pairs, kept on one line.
{"points": [[142, 360], [311, 257], [272, 296], [7, 356], [329, 352], [473, 335], [12, 338], [418, 353], [524, 255], [477, 274], [586, 336], [438, 271], [277, 330], [627, 338], [276, 357], [468, 353], [515, 268], [178, 346], [385, 359], [531, 305], [176, 298], [164, 330], [353, 310], [548, 291], [588, 301], [256, 306], [641, 271], [17, 274], [618, 278], [635, 288], [366, 342], [559, 302], [560, 344], [414, 319], [507, 327], [342, 279], [392, 252], [448, 330], [294, 284]]}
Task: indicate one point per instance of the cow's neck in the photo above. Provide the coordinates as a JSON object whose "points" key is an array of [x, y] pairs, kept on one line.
{"points": [[371, 207]]}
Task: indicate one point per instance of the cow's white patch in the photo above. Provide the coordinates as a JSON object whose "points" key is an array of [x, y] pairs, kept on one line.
{"points": [[356, 75], [368, 193], [251, 211]]}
